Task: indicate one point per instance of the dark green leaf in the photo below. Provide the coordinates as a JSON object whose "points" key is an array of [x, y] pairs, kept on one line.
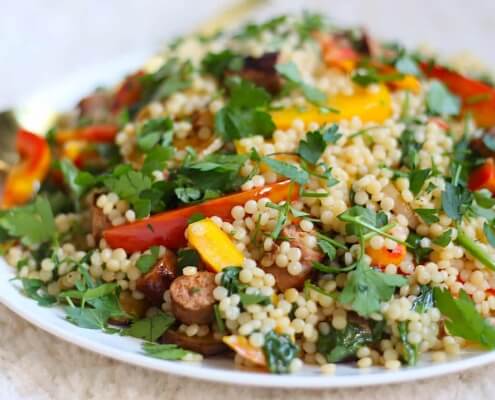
{"points": [[417, 179], [153, 132], [165, 351], [35, 289], [88, 318], [288, 170], [424, 300], [409, 351], [249, 299], [146, 261], [279, 352], [428, 215], [444, 239], [217, 64], [462, 318], [291, 73], [151, 328], [340, 345]]}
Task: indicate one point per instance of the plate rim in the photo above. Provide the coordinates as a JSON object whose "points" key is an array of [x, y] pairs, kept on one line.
{"points": [[197, 371]]}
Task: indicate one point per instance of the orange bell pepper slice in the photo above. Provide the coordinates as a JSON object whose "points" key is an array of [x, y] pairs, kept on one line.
{"points": [[336, 53], [477, 97], [483, 177], [242, 347], [98, 133], [370, 106], [383, 256], [25, 178], [168, 228]]}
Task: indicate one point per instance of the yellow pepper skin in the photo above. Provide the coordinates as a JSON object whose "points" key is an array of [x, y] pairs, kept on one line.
{"points": [[370, 106], [242, 347], [213, 245]]}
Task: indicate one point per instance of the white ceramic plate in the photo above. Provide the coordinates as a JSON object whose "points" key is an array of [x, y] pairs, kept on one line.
{"points": [[63, 95]]}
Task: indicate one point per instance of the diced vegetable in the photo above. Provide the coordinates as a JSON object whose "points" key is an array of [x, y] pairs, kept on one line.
{"points": [[213, 245], [25, 178], [337, 53], [478, 98], [100, 133], [168, 228], [129, 92], [242, 347], [383, 256], [483, 177], [370, 106], [408, 82]]}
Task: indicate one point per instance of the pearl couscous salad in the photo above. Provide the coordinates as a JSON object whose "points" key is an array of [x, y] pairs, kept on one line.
{"points": [[289, 193]]}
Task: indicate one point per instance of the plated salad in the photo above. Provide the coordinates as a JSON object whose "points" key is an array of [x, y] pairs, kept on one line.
{"points": [[288, 193]]}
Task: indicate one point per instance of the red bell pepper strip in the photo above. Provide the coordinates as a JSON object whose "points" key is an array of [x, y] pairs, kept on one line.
{"points": [[25, 178], [128, 93], [168, 228], [483, 177], [477, 97], [98, 133]]}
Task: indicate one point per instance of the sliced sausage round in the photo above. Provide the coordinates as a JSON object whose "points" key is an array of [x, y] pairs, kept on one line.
{"points": [[284, 280], [192, 298], [158, 279], [206, 345]]}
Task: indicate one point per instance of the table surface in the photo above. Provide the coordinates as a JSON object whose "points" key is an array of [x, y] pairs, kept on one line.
{"points": [[40, 41]]}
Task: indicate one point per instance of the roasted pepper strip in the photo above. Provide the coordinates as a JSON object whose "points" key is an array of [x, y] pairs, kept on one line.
{"points": [[383, 256], [24, 178], [128, 93], [213, 245], [477, 97], [168, 228], [483, 177], [99, 133], [337, 53], [247, 351], [370, 106]]}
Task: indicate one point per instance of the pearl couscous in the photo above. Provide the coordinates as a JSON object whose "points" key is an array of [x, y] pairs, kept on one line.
{"points": [[290, 193]]}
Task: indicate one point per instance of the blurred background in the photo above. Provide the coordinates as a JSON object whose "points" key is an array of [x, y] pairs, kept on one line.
{"points": [[43, 40]]}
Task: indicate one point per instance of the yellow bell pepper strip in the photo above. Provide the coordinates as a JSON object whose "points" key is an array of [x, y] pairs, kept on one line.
{"points": [[25, 178], [247, 351], [370, 106], [214, 246], [167, 228]]}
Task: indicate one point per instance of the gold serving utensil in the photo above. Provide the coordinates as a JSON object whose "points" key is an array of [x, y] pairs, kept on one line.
{"points": [[28, 115]]}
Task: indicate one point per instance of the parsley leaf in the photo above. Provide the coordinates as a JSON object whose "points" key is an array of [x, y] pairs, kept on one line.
{"points": [[428, 215], [151, 328], [88, 318], [279, 351], [444, 239], [217, 64], [243, 115], [32, 224], [340, 345], [409, 149], [165, 351], [440, 101], [146, 261], [288, 170], [35, 289], [153, 132], [315, 144], [417, 179], [366, 288], [291, 73], [420, 253], [462, 318], [169, 78], [455, 201]]}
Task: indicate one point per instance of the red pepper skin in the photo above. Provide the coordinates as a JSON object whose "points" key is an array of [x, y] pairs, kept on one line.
{"points": [[168, 228], [477, 97], [24, 178], [128, 93], [483, 177], [98, 133]]}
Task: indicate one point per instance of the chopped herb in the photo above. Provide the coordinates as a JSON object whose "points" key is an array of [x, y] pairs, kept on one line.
{"points": [[291, 73], [366, 75], [288, 170], [407, 65], [474, 248], [420, 253], [248, 299], [218, 320], [424, 300], [444, 239], [315, 144], [417, 179], [151, 328], [230, 280], [279, 352], [409, 350], [340, 345], [440, 101], [35, 289], [146, 261], [165, 351], [462, 318], [217, 64], [153, 132], [428, 215]]}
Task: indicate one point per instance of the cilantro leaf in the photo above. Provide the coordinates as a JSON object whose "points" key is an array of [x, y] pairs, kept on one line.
{"points": [[440, 101], [279, 351], [153, 132], [428, 215], [417, 179], [32, 224], [88, 318], [340, 345], [146, 261], [156, 159], [462, 318], [288, 170], [165, 351], [35, 289], [151, 328], [366, 288], [217, 64], [315, 144], [455, 200], [444, 239], [291, 73]]}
